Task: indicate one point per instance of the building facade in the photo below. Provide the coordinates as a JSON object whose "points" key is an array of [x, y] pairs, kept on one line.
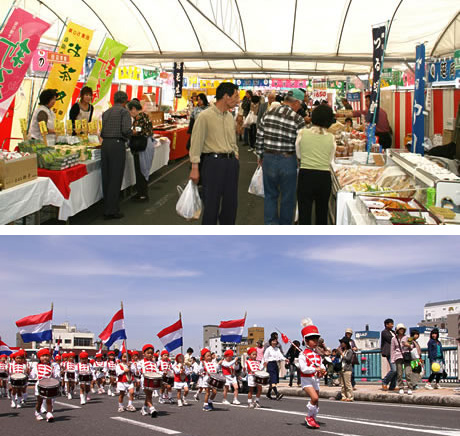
{"points": [[209, 331], [438, 311], [367, 340]]}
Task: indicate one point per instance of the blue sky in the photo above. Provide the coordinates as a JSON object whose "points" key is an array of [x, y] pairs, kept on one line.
{"points": [[338, 281]]}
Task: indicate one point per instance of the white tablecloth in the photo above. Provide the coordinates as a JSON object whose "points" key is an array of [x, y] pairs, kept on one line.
{"points": [[28, 198], [88, 190]]}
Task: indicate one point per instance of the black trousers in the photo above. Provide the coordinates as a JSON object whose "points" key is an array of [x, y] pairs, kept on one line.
{"points": [[313, 186], [385, 140], [113, 157], [220, 189], [252, 135], [141, 183]]}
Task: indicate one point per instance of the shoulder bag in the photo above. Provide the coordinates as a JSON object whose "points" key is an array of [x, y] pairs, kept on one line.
{"points": [[406, 354]]}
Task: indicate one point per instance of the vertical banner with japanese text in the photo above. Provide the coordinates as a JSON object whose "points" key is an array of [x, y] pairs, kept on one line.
{"points": [[18, 41], [64, 77], [418, 120], [178, 79], [104, 69], [378, 43]]}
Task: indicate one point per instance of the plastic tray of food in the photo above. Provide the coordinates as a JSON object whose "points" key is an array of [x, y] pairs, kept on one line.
{"points": [[381, 214], [413, 218], [392, 203]]}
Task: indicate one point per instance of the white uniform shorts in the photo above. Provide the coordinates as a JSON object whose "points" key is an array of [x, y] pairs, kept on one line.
{"points": [[124, 386], [310, 382], [231, 380], [251, 381], [180, 385], [201, 382]]}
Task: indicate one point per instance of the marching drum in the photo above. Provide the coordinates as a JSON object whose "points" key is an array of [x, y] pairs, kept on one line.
{"points": [[112, 373], [168, 378], [216, 381], [48, 388], [152, 380], [3, 375], [70, 375], [261, 377], [18, 380], [85, 377]]}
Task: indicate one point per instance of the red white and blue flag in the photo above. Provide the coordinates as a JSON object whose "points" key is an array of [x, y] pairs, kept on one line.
{"points": [[4, 349], [171, 337], [36, 327], [115, 330], [232, 331]]}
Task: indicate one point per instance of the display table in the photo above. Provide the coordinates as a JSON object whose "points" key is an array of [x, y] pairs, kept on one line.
{"points": [[28, 198], [88, 190], [179, 138], [62, 179]]}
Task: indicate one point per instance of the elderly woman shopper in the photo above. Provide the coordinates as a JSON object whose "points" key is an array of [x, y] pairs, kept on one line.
{"points": [[272, 356], [401, 357], [44, 113], [315, 148], [141, 145]]}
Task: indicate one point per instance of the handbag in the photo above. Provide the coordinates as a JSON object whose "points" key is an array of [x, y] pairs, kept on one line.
{"points": [[137, 143], [407, 357]]}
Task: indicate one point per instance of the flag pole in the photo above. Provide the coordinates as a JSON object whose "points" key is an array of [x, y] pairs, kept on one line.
{"points": [[125, 342], [182, 346], [294, 345], [51, 342]]}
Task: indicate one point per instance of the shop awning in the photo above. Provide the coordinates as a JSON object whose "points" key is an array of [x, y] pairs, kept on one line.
{"points": [[257, 37]]}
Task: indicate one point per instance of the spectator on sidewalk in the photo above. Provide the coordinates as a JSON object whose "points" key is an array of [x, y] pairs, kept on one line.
{"points": [[346, 353], [435, 355], [399, 350], [260, 350], [275, 147], [389, 381], [416, 354], [293, 357], [354, 348]]}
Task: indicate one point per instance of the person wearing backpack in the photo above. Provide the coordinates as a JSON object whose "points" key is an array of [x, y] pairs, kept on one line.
{"points": [[401, 357]]}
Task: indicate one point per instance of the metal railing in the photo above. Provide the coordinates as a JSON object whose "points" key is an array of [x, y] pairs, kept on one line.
{"points": [[370, 365]]}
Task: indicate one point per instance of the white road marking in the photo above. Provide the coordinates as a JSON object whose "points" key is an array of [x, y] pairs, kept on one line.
{"points": [[338, 434], [432, 431], [144, 425], [72, 406]]}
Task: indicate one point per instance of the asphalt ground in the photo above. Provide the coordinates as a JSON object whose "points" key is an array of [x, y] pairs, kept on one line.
{"points": [[163, 196], [285, 417]]}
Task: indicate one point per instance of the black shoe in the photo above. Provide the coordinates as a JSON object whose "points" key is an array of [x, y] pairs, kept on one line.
{"points": [[269, 397], [154, 414], [290, 385], [279, 396], [139, 198], [115, 216]]}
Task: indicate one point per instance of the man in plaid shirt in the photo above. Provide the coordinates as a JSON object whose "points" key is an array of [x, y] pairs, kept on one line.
{"points": [[275, 148]]}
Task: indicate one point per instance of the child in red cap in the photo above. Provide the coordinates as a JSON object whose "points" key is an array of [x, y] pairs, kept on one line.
{"points": [[181, 375], [228, 370], [311, 370], [209, 367], [100, 369], [44, 370], [4, 374], [125, 384], [18, 370], [111, 371], [70, 373], [148, 365], [85, 376], [136, 372], [164, 365], [252, 366]]}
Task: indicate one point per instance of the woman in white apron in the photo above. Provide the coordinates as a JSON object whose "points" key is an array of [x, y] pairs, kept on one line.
{"points": [[44, 113]]}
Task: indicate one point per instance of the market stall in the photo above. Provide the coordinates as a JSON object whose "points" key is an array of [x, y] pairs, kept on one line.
{"points": [[178, 137]]}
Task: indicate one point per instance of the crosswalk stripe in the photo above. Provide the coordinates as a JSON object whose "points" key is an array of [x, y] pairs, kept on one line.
{"points": [[144, 425], [72, 406]]}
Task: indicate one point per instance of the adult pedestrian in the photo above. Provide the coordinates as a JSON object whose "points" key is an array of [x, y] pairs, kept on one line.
{"points": [[273, 335], [400, 356], [345, 374], [293, 358], [142, 131], [255, 104], [265, 107], [387, 334], [188, 357], [435, 355], [275, 147], [214, 144], [272, 356], [349, 335], [116, 130], [260, 350], [83, 109], [44, 113], [416, 354], [201, 105], [382, 129], [315, 147], [346, 105], [246, 107]]}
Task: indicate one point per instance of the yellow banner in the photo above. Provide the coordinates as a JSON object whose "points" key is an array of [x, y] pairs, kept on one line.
{"points": [[130, 73], [64, 77]]}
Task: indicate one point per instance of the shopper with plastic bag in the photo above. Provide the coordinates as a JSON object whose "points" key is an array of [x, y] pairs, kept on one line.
{"points": [[189, 204], [214, 144], [256, 186]]}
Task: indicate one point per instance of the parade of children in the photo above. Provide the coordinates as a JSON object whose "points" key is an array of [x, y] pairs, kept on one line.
{"points": [[137, 375]]}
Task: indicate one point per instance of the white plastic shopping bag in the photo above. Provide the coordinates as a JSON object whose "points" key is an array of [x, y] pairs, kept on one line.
{"points": [[256, 186], [250, 119], [189, 204]]}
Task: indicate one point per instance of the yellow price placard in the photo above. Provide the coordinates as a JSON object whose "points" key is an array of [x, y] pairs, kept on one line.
{"points": [[84, 126], [69, 127]]}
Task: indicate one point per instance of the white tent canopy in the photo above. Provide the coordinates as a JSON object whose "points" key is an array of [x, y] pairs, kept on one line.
{"points": [[257, 37]]}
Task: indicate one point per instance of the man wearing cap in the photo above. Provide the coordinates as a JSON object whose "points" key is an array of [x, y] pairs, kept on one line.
{"points": [[354, 348], [275, 147]]}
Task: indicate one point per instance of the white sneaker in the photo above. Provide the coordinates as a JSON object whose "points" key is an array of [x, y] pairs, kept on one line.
{"points": [[13, 404], [69, 396], [436, 386], [428, 386], [155, 393], [82, 400], [109, 392], [251, 405], [257, 405], [161, 400], [130, 408], [225, 402], [18, 405], [401, 391], [144, 411], [88, 398], [197, 397], [121, 409], [38, 417], [113, 394], [179, 403], [409, 392], [93, 391], [236, 402], [49, 417], [101, 391], [43, 409], [185, 402]]}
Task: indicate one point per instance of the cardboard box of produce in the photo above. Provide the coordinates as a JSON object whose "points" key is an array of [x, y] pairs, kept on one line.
{"points": [[15, 172]]}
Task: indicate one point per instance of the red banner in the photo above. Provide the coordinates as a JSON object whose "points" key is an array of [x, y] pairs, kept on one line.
{"points": [[18, 41]]}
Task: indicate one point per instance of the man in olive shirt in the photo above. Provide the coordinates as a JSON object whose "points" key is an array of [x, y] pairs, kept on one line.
{"points": [[214, 145]]}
